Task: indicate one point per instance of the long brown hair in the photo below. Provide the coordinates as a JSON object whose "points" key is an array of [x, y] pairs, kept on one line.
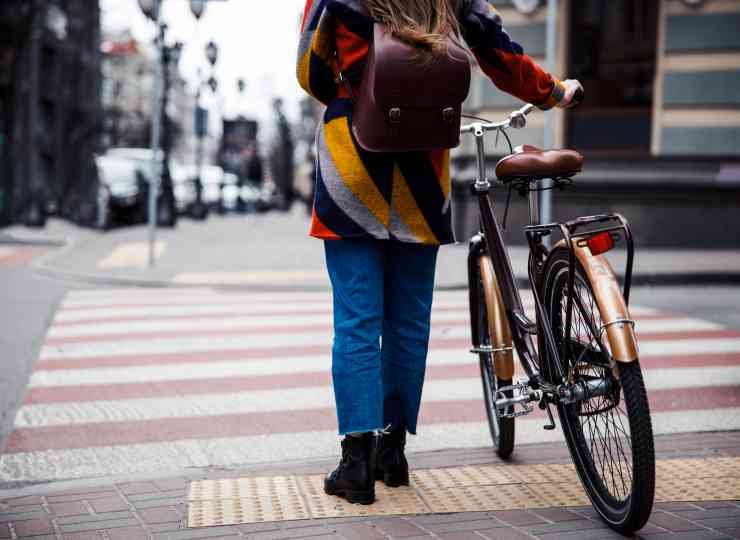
{"points": [[422, 23]]}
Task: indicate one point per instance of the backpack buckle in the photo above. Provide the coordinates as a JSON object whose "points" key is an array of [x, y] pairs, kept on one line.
{"points": [[394, 115], [448, 115]]}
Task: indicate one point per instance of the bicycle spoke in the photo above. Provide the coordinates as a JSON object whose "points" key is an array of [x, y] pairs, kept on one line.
{"points": [[601, 418]]}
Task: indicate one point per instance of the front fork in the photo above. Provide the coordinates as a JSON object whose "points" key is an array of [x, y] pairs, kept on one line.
{"points": [[482, 277]]}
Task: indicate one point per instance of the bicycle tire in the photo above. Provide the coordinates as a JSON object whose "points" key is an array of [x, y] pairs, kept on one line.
{"points": [[626, 507], [501, 429]]}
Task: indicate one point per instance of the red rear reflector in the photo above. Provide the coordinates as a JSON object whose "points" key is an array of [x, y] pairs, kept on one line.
{"points": [[601, 243]]}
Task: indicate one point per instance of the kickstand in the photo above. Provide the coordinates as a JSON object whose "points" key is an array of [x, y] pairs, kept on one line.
{"points": [[545, 406]]}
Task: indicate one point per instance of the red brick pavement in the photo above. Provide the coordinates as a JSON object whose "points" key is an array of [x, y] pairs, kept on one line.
{"points": [[156, 508]]}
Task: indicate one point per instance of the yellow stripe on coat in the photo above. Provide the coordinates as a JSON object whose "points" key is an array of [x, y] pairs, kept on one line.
{"points": [[405, 206], [304, 72], [352, 171]]}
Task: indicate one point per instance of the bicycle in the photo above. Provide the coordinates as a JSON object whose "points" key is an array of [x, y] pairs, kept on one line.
{"points": [[586, 360]]}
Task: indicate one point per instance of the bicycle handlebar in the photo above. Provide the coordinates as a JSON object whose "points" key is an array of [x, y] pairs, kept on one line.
{"points": [[517, 120]]}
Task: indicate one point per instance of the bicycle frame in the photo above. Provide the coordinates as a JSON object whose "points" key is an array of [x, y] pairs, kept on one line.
{"points": [[612, 301]]}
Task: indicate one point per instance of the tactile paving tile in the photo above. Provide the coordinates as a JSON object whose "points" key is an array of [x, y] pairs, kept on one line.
{"points": [[545, 474], [697, 489], [463, 476], [204, 513], [480, 498], [389, 501], [455, 489], [698, 468], [241, 488]]}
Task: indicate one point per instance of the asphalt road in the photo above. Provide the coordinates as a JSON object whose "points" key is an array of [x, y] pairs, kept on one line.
{"points": [[28, 305]]}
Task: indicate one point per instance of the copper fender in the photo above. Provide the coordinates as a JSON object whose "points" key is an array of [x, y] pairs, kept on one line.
{"points": [[498, 325], [615, 315]]}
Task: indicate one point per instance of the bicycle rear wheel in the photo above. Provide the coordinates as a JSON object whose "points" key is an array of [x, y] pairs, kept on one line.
{"points": [[610, 436], [502, 429]]}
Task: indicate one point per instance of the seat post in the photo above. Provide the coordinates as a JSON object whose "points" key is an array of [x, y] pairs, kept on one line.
{"points": [[534, 204]]}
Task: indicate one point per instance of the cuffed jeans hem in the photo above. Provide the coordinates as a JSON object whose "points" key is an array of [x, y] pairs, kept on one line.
{"points": [[344, 433]]}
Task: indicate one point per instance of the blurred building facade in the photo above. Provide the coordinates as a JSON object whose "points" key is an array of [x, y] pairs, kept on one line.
{"points": [[660, 126], [126, 91], [50, 109]]}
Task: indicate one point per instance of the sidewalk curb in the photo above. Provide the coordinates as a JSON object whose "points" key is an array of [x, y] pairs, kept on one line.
{"points": [[655, 280], [44, 266], [9, 239]]}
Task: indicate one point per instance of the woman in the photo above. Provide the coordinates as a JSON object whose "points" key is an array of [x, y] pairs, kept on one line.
{"points": [[384, 216]]}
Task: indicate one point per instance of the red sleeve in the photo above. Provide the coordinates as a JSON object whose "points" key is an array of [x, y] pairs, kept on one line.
{"points": [[504, 61]]}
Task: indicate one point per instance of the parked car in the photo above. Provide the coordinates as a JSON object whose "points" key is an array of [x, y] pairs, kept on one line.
{"points": [[120, 197], [142, 157], [213, 179]]}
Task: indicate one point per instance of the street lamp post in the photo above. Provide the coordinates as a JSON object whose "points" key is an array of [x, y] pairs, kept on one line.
{"points": [[170, 59], [151, 8], [199, 210]]}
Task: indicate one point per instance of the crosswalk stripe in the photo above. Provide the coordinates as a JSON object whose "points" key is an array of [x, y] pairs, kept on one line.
{"points": [[301, 359], [138, 311], [275, 398], [217, 382], [103, 298], [248, 325], [216, 305], [669, 344], [107, 296]]}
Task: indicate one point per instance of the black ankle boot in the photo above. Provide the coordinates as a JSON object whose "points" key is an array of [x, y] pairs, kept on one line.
{"points": [[392, 467], [354, 478]]}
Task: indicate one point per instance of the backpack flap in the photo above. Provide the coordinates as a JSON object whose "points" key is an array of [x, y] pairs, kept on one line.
{"points": [[406, 103], [403, 78]]}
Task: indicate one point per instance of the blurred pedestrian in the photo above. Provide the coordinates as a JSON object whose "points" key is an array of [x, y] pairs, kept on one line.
{"points": [[282, 160], [252, 164], [384, 215]]}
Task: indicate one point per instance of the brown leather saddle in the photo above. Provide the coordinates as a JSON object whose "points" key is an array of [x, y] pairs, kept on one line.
{"points": [[531, 163]]}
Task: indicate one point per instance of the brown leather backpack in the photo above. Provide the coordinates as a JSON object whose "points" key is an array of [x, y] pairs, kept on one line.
{"points": [[407, 105]]}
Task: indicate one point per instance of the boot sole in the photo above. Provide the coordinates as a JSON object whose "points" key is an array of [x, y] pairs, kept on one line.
{"points": [[393, 480], [354, 497]]}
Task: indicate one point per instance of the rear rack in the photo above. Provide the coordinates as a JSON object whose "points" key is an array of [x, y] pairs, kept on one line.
{"points": [[573, 233]]}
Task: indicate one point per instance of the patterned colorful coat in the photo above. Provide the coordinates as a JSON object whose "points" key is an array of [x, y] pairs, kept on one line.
{"points": [[403, 196]]}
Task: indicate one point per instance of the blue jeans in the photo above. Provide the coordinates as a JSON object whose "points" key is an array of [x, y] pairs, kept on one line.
{"points": [[382, 294]]}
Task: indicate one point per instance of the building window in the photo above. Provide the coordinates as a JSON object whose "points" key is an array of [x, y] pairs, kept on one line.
{"points": [[613, 52]]}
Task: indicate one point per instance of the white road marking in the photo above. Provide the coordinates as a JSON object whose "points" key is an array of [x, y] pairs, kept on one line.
{"points": [[226, 323], [207, 370], [131, 255], [247, 322], [266, 340], [205, 308]]}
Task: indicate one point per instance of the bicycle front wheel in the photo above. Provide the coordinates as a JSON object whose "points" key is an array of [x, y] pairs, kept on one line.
{"points": [[610, 436]]}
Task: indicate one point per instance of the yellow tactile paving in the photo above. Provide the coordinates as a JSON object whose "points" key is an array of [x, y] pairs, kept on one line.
{"points": [[398, 501], [454, 489]]}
